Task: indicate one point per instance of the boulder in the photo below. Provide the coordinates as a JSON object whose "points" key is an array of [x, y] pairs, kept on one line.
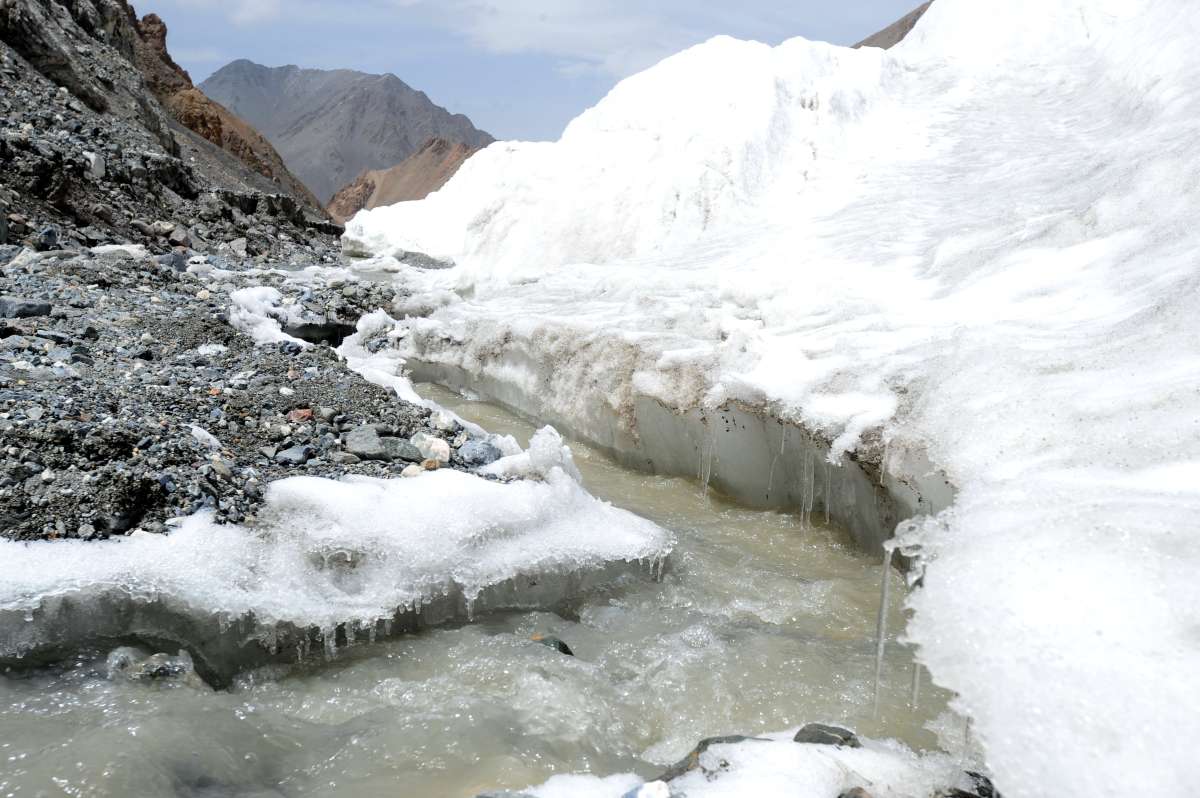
{"points": [[17, 308], [400, 449], [364, 442], [822, 734], [479, 453], [431, 447]]}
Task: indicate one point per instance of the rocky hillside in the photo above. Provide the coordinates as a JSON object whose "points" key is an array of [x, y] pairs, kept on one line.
{"points": [[417, 177], [331, 126], [894, 34], [89, 157]]}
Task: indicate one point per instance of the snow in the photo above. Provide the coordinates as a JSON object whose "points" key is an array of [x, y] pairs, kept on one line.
{"points": [[400, 541], [981, 245], [257, 312], [775, 766]]}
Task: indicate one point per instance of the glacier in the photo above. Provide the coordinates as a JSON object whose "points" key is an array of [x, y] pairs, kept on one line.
{"points": [[973, 254]]}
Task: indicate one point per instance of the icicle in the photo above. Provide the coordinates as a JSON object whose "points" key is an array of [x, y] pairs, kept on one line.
{"points": [[775, 461], [828, 483], [881, 625], [812, 486], [371, 632], [330, 637], [470, 610], [387, 627], [915, 700], [351, 634]]}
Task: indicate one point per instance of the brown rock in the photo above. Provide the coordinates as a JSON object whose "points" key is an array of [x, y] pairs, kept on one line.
{"points": [[412, 179]]}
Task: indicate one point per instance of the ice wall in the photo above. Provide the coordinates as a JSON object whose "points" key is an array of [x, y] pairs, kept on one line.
{"points": [[979, 245]]}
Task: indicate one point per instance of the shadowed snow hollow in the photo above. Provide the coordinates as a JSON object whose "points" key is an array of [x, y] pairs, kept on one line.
{"points": [[980, 245]]}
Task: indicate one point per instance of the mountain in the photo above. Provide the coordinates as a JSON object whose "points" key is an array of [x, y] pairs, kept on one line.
{"points": [[214, 123], [415, 178], [331, 126], [894, 34]]}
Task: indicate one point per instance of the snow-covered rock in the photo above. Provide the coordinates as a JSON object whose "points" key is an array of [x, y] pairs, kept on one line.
{"points": [[979, 247]]}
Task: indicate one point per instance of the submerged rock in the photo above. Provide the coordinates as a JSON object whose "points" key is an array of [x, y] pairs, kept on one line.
{"points": [[136, 665], [556, 643]]}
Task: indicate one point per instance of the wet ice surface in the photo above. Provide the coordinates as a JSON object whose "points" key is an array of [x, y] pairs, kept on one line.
{"points": [[758, 625]]}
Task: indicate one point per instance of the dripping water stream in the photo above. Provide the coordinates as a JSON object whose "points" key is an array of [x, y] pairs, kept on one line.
{"points": [[760, 621]]}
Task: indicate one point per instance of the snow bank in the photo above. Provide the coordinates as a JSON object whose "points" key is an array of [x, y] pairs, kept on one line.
{"points": [[327, 553], [978, 247], [258, 311]]}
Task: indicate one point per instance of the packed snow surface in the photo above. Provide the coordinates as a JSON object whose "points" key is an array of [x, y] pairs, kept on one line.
{"points": [[981, 244], [774, 765], [329, 552]]}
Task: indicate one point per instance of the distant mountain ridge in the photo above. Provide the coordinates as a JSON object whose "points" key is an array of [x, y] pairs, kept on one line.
{"points": [[331, 126], [896, 32]]}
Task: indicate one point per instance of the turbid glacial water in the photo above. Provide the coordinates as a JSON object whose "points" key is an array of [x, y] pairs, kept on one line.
{"points": [[759, 623]]}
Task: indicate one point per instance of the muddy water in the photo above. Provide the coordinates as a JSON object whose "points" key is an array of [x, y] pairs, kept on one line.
{"points": [[760, 623]]}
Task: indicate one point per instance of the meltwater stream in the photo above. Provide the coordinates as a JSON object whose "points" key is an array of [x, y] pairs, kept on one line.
{"points": [[760, 623]]}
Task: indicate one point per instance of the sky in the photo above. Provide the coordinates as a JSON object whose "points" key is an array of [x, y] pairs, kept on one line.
{"points": [[520, 69]]}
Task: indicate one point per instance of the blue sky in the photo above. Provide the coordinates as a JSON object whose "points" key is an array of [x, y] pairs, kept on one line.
{"points": [[519, 68]]}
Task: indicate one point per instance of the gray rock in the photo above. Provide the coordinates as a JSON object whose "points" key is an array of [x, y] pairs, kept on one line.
{"points": [[47, 239], [479, 453], [400, 449], [364, 442], [180, 237], [18, 308], [175, 260], [238, 247], [296, 455], [822, 734]]}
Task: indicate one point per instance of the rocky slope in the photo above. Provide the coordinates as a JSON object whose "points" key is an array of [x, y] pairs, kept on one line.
{"points": [[415, 178], [127, 398], [331, 126], [894, 34]]}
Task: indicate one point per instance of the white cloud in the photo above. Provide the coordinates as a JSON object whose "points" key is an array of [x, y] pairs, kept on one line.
{"points": [[241, 12], [616, 37]]}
